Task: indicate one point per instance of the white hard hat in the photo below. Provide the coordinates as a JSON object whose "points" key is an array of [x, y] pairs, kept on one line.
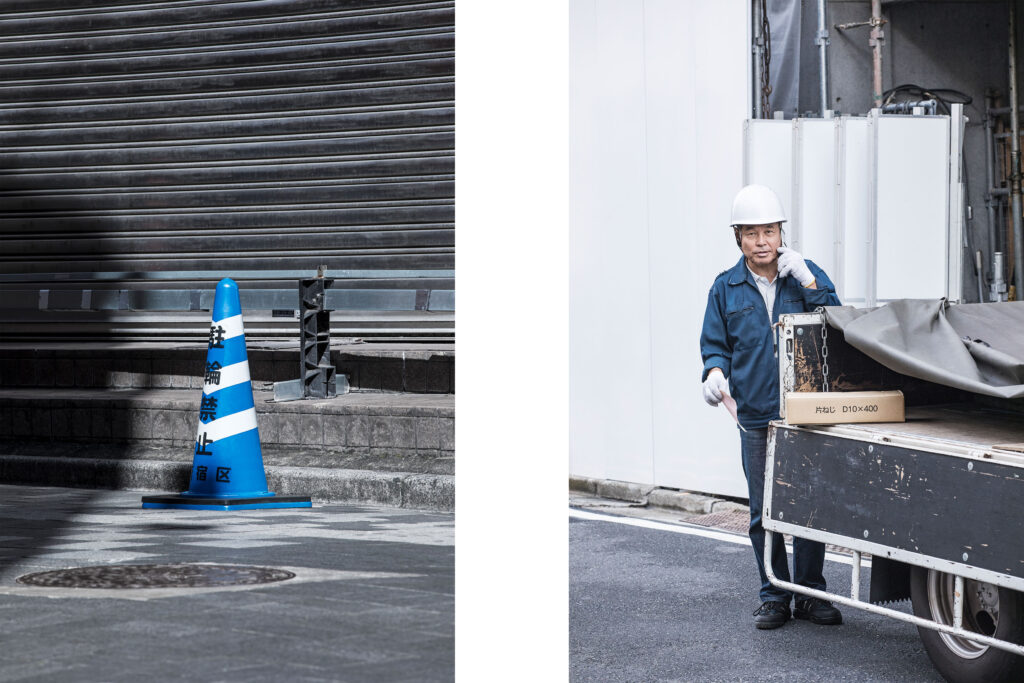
{"points": [[757, 205]]}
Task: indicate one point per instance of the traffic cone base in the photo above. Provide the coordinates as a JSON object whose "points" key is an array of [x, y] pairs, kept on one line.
{"points": [[227, 466], [184, 502]]}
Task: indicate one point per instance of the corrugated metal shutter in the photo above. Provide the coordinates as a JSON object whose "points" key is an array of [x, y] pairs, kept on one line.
{"points": [[148, 143]]}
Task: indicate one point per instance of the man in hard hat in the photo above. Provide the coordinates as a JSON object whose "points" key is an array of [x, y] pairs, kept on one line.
{"points": [[737, 344]]}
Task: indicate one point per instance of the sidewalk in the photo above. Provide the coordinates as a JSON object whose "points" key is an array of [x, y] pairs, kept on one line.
{"points": [[372, 598]]}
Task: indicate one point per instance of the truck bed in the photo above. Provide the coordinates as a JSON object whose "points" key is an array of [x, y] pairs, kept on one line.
{"points": [[945, 489], [953, 429]]}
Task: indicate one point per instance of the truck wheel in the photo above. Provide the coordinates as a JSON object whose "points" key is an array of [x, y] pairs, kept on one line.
{"points": [[988, 610]]}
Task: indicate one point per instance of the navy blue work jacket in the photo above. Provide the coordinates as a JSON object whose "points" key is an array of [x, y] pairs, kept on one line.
{"points": [[738, 338]]}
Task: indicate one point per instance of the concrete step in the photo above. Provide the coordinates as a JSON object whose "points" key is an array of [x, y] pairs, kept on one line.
{"points": [[388, 449], [424, 491], [409, 368]]}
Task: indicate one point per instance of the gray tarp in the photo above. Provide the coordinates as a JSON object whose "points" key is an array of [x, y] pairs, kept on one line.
{"points": [[976, 347]]}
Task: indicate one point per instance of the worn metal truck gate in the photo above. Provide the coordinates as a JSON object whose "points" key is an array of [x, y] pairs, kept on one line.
{"points": [[885, 494], [148, 151], [900, 502]]}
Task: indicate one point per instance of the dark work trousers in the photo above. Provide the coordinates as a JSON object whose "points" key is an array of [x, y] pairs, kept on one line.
{"points": [[808, 556]]}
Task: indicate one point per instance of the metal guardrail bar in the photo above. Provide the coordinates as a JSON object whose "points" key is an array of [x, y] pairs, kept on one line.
{"points": [[215, 276], [202, 299], [878, 609]]}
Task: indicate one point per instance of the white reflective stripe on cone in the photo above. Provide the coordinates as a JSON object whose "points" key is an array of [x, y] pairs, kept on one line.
{"points": [[232, 326], [230, 375], [226, 426]]}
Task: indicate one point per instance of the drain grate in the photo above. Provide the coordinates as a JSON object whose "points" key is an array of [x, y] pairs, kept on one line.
{"points": [[156, 576], [729, 520]]}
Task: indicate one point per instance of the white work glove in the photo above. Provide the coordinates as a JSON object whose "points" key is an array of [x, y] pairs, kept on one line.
{"points": [[715, 386], [792, 263]]}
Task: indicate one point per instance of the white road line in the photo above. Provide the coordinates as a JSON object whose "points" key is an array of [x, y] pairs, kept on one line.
{"points": [[692, 531]]}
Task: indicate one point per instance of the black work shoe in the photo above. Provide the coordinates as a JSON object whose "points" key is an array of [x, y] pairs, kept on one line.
{"points": [[771, 614], [817, 611]]}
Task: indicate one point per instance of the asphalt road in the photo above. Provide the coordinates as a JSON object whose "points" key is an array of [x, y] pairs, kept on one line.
{"points": [[372, 599], [656, 605]]}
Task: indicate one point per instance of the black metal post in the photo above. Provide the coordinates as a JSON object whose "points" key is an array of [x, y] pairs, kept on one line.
{"points": [[317, 371]]}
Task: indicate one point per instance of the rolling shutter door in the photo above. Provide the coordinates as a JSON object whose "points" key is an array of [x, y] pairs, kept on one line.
{"points": [[163, 145]]}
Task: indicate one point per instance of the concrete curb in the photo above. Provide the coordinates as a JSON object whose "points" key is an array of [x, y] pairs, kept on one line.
{"points": [[323, 485], [647, 494], [394, 489]]}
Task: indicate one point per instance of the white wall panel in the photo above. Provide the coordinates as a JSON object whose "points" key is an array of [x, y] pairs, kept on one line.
{"points": [[813, 231], [870, 204], [697, 447], [853, 209], [912, 205], [655, 150], [610, 351], [672, 200], [768, 158], [659, 94]]}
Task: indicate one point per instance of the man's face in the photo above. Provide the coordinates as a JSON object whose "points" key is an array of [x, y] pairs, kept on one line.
{"points": [[760, 243]]}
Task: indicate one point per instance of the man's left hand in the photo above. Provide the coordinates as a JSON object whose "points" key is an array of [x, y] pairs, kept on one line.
{"points": [[792, 263]]}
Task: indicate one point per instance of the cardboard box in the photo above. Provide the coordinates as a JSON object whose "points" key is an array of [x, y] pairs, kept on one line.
{"points": [[841, 407]]}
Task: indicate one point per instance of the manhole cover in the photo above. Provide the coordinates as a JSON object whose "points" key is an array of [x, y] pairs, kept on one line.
{"points": [[156, 576]]}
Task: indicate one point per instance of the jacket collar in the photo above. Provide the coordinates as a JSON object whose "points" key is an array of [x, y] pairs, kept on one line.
{"points": [[739, 273]]}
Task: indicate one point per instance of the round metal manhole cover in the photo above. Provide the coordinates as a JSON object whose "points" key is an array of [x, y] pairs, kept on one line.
{"points": [[157, 576]]}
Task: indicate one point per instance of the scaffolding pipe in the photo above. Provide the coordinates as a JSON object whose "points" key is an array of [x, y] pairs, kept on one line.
{"points": [[1001, 234], [979, 272], [1001, 224], [1002, 110], [997, 290], [822, 42], [758, 50], [989, 182], [1018, 227], [877, 38]]}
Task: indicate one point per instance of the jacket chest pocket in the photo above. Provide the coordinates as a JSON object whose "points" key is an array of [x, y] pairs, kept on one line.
{"points": [[743, 328], [791, 303]]}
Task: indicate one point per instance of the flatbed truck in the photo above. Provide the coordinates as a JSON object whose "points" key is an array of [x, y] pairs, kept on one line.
{"points": [[935, 503]]}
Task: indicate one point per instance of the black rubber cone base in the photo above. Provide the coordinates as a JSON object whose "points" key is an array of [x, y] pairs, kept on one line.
{"points": [[173, 501]]}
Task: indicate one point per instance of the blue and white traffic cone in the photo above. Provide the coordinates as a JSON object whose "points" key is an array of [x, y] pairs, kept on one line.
{"points": [[227, 465]]}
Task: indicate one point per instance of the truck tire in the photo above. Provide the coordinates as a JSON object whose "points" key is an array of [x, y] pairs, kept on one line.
{"points": [[988, 609]]}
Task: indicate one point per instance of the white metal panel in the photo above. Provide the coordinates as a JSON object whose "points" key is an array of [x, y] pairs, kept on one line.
{"points": [[610, 351], [912, 206], [954, 238], [653, 170], [672, 204], [768, 160], [695, 168], [814, 175], [853, 209]]}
